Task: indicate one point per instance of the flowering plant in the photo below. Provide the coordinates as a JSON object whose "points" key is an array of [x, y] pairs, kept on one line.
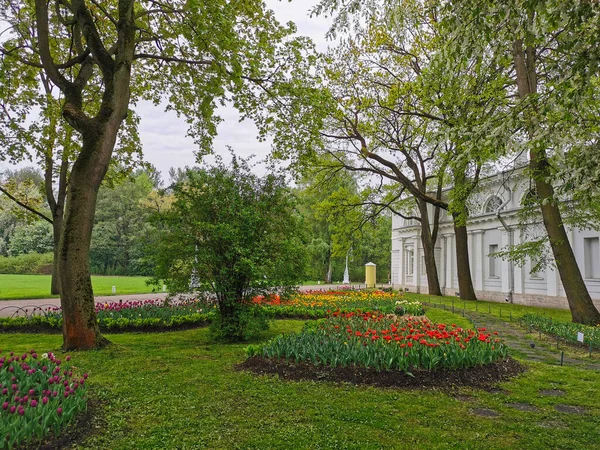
{"points": [[374, 340], [38, 396]]}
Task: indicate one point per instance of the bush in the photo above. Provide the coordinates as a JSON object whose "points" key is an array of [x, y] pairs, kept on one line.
{"points": [[29, 264]]}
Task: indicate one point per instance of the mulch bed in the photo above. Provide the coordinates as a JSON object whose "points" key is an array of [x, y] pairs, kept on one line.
{"points": [[479, 376]]}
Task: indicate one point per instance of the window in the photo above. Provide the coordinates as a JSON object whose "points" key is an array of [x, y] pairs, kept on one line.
{"points": [[532, 274], [530, 199], [410, 260], [494, 271], [492, 205], [591, 256]]}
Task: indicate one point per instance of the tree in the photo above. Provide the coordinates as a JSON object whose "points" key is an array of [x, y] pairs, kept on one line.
{"points": [[193, 53], [238, 231], [121, 222], [332, 225], [414, 112], [553, 52], [20, 192], [33, 238]]}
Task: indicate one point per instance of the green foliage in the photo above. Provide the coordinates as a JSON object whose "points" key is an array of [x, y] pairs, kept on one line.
{"points": [[27, 264], [121, 223], [564, 330], [34, 238], [339, 221], [238, 233]]}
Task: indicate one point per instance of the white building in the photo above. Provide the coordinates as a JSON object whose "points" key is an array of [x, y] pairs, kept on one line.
{"points": [[493, 226]]}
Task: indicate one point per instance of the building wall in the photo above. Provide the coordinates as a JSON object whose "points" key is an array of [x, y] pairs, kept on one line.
{"points": [[493, 278]]}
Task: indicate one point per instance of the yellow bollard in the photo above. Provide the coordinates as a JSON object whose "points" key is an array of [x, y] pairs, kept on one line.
{"points": [[370, 274]]}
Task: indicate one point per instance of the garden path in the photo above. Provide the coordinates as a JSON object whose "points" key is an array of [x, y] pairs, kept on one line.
{"points": [[9, 308], [530, 346]]}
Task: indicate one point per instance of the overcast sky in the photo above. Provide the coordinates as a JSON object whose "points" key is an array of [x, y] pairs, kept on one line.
{"points": [[163, 135]]}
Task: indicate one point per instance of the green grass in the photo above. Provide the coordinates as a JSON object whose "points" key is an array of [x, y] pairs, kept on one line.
{"points": [[179, 390], [503, 310], [14, 287]]}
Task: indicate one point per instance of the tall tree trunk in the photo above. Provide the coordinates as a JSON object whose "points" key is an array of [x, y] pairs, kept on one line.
{"points": [[580, 302], [56, 230], [463, 267], [329, 270], [459, 218], [99, 134], [433, 282], [80, 327]]}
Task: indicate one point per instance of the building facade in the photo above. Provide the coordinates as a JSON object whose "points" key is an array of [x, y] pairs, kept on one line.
{"points": [[493, 226]]}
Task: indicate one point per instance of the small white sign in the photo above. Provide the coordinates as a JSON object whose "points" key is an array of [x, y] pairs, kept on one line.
{"points": [[114, 289], [580, 336]]}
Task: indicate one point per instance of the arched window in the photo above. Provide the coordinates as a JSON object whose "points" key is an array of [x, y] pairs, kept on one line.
{"points": [[492, 205], [530, 198]]}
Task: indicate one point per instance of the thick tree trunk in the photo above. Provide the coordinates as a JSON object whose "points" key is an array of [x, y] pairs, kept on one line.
{"points": [[580, 302], [463, 267], [80, 327], [433, 282], [56, 230]]}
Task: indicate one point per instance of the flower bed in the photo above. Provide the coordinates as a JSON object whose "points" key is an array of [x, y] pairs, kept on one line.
{"points": [[39, 396], [148, 315], [374, 340], [158, 315], [564, 330], [318, 304]]}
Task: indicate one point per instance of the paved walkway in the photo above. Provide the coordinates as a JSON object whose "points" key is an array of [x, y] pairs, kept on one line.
{"points": [[10, 308]]}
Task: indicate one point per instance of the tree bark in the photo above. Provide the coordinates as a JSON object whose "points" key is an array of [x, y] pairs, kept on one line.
{"points": [[80, 327], [433, 282], [56, 230], [580, 302], [463, 266], [329, 271]]}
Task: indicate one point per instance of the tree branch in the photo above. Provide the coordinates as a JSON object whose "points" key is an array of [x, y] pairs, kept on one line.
{"points": [[25, 206]]}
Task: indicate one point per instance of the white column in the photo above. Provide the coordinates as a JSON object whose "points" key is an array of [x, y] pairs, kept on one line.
{"points": [[401, 269], [518, 271], [551, 280], [442, 268], [504, 264], [417, 263], [449, 262], [478, 259], [471, 253]]}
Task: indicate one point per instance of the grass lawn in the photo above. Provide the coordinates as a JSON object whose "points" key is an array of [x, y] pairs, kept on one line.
{"points": [[14, 287], [179, 390], [503, 310]]}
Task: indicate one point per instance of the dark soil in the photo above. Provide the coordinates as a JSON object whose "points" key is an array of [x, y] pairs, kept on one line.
{"points": [[479, 376]]}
